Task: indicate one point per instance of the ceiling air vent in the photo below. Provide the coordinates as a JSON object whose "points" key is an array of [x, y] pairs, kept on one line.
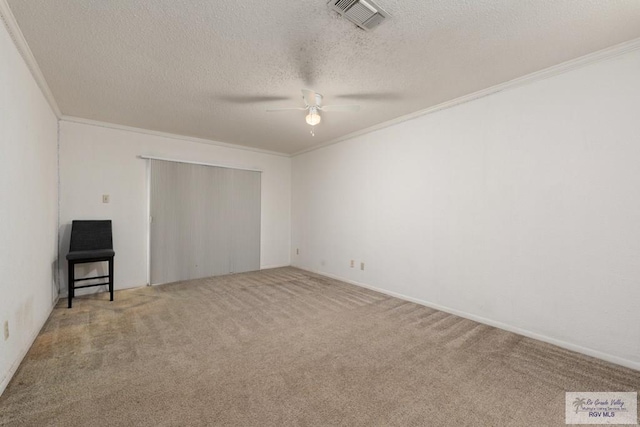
{"points": [[364, 13]]}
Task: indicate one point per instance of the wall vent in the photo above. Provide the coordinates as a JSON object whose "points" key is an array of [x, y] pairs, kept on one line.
{"points": [[364, 13]]}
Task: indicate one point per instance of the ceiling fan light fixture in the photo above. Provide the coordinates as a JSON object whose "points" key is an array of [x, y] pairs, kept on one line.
{"points": [[313, 118], [313, 106]]}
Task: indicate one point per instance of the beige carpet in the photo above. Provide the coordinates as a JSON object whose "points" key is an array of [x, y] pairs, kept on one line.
{"points": [[285, 347]]}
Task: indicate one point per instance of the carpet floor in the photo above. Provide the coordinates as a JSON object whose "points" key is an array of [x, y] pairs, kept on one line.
{"points": [[285, 347]]}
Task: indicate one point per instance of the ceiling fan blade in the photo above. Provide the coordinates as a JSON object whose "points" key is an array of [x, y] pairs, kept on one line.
{"points": [[273, 110], [309, 97], [372, 96], [248, 99], [340, 108]]}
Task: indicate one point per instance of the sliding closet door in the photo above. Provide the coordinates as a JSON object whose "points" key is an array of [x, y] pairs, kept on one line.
{"points": [[205, 221], [245, 205]]}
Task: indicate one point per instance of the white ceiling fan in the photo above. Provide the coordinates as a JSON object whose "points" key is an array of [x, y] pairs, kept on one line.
{"points": [[313, 104]]}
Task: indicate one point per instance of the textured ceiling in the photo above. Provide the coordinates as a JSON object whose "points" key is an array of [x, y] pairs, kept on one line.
{"points": [[209, 69]]}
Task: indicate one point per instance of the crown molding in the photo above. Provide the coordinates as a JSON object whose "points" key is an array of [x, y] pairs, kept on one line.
{"points": [[21, 44], [600, 55], [80, 120]]}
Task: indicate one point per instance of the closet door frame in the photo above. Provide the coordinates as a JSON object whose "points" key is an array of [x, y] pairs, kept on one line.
{"points": [[148, 161]]}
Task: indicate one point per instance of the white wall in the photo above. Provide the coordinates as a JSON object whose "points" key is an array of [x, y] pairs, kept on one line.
{"points": [[521, 209], [28, 210], [96, 160]]}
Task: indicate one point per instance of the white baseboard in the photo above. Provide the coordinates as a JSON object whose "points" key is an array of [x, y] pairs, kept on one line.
{"points": [[530, 334], [268, 267], [23, 352]]}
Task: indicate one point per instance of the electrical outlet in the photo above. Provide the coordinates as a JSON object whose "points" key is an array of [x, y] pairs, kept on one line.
{"points": [[362, 266], [6, 330], [353, 263], [105, 198]]}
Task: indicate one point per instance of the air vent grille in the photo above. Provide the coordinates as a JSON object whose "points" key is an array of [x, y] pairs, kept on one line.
{"points": [[343, 5], [361, 12], [364, 13]]}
